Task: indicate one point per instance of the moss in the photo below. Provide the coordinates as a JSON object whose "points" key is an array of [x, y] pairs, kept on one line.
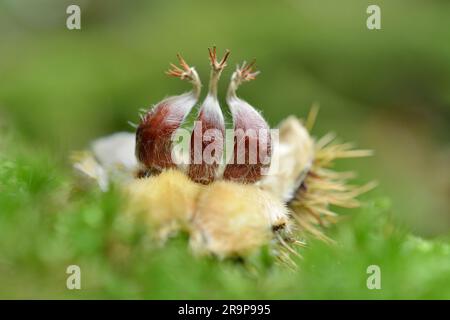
{"points": [[46, 226]]}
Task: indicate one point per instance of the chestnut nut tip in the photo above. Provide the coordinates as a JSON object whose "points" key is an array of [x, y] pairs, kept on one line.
{"points": [[218, 65]]}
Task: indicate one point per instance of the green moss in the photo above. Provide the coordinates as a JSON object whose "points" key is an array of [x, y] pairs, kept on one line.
{"points": [[45, 225]]}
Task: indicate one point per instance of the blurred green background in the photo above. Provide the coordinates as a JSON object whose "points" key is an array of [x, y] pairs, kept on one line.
{"points": [[387, 90]]}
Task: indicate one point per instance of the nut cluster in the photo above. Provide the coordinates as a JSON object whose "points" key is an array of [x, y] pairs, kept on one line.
{"points": [[252, 141]]}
